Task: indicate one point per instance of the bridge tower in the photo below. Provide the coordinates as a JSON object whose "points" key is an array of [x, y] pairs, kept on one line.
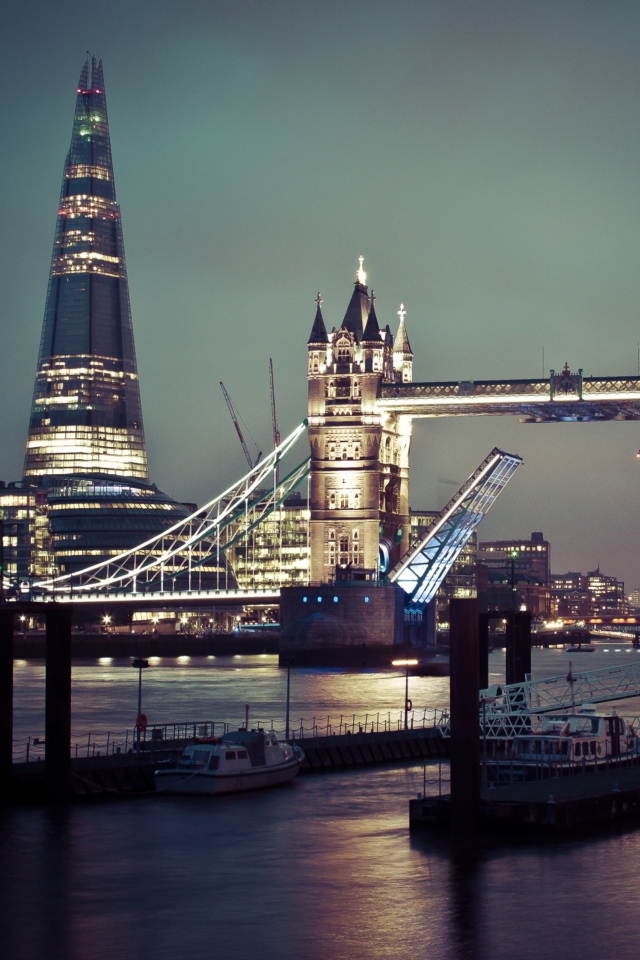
{"points": [[359, 488]]}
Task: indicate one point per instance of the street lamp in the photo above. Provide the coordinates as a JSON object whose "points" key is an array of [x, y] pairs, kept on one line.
{"points": [[514, 555], [139, 664], [408, 706]]}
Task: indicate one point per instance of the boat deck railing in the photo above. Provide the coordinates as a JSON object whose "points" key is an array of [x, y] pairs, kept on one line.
{"points": [[505, 772]]}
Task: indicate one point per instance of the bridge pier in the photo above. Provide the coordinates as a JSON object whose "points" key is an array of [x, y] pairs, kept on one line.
{"points": [[518, 658], [58, 704], [465, 739]]}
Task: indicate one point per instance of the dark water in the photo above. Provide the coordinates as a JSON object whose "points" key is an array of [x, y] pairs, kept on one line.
{"points": [[324, 868]]}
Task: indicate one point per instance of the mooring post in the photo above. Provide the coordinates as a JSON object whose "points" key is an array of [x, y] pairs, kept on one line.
{"points": [[518, 657], [6, 699], [58, 704], [465, 722]]}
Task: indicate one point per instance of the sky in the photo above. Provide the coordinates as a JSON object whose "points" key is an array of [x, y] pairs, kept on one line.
{"points": [[481, 156]]}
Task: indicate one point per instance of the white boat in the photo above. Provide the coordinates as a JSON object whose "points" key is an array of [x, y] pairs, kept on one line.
{"points": [[244, 760], [583, 737]]}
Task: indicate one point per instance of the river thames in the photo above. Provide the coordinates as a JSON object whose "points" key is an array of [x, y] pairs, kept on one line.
{"points": [[323, 868]]}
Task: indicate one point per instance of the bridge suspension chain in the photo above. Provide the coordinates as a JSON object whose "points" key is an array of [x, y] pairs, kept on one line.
{"points": [[184, 549]]}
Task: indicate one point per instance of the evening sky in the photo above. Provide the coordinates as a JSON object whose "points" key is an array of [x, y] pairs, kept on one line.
{"points": [[482, 156]]}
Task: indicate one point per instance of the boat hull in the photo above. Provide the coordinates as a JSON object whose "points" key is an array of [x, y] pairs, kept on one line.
{"points": [[207, 783]]}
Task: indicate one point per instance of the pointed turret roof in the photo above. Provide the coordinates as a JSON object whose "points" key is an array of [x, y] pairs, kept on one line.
{"points": [[318, 330], [401, 343], [372, 329], [357, 312]]}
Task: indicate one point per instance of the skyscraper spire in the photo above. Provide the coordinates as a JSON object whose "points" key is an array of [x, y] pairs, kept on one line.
{"points": [[86, 416]]}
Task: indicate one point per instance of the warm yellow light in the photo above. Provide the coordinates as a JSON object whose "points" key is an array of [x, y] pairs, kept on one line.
{"points": [[360, 274], [404, 663]]}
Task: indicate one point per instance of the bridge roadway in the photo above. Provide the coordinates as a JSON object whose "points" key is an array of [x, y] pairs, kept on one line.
{"points": [[564, 396], [161, 600]]}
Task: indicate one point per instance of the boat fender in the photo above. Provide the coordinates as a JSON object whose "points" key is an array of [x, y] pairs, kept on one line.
{"points": [[409, 706], [599, 749]]}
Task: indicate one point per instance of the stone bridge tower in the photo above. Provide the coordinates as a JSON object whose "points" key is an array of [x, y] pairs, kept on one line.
{"points": [[359, 453]]}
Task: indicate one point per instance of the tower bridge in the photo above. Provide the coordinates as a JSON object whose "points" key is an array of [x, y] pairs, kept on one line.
{"points": [[361, 407], [85, 471]]}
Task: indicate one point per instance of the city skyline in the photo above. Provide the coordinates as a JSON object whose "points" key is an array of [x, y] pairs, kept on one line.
{"points": [[482, 159]]}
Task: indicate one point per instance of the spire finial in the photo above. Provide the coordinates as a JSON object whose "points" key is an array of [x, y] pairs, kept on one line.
{"points": [[361, 275], [402, 313], [372, 297], [318, 300]]}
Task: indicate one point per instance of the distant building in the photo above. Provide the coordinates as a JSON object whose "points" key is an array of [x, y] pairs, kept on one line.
{"points": [[532, 556], [515, 573], [576, 596], [634, 599], [85, 494], [276, 553]]}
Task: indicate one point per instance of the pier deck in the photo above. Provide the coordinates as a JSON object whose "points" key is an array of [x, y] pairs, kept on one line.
{"points": [[131, 774], [556, 803]]}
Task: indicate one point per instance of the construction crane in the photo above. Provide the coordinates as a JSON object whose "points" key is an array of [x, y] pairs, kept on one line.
{"points": [[274, 419], [234, 417]]}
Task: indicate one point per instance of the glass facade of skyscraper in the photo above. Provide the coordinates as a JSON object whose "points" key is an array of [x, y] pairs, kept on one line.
{"points": [[86, 415]]}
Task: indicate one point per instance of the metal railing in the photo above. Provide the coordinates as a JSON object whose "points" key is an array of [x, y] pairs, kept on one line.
{"points": [[507, 772], [159, 736]]}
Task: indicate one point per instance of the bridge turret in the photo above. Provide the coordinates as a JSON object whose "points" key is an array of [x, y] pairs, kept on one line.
{"points": [[360, 457], [402, 352]]}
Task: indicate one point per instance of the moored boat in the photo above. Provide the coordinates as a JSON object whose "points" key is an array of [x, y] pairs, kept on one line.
{"points": [[583, 737], [562, 743], [244, 760]]}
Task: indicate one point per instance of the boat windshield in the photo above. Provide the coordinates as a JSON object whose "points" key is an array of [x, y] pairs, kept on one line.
{"points": [[194, 758]]}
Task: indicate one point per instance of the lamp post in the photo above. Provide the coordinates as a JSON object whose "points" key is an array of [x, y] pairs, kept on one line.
{"points": [[139, 663], [408, 706], [289, 661], [514, 554]]}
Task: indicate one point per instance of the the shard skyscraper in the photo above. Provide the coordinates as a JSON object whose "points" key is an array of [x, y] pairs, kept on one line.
{"points": [[86, 417]]}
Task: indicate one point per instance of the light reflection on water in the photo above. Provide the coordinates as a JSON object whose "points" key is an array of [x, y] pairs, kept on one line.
{"points": [[322, 869], [202, 688]]}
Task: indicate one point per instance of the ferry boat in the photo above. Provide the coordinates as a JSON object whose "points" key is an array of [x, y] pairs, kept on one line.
{"points": [[587, 740], [244, 760]]}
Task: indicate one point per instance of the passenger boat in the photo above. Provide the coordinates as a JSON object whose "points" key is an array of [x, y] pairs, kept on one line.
{"points": [[244, 760], [563, 742]]}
